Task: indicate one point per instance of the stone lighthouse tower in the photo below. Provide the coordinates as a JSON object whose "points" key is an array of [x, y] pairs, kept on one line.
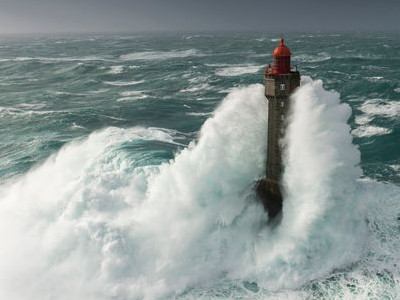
{"points": [[280, 81]]}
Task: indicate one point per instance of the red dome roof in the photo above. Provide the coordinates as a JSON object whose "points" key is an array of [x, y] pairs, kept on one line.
{"points": [[282, 50]]}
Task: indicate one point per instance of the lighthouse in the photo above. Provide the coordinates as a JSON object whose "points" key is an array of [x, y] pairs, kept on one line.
{"points": [[280, 81]]}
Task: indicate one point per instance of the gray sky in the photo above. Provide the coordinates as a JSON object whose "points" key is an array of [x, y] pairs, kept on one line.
{"points": [[27, 16]]}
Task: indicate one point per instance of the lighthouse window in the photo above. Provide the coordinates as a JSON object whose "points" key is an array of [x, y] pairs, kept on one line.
{"points": [[282, 87], [282, 103], [282, 117]]}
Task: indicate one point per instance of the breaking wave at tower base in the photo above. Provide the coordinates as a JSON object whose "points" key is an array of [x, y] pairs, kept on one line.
{"points": [[93, 222]]}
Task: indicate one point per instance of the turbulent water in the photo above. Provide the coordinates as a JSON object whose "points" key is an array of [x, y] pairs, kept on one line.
{"points": [[128, 162]]}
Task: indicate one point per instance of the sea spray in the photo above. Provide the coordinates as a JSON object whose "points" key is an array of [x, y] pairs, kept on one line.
{"points": [[61, 220], [95, 228], [323, 224], [89, 224], [198, 206]]}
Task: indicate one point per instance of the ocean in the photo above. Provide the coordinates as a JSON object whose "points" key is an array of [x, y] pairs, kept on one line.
{"points": [[128, 164]]}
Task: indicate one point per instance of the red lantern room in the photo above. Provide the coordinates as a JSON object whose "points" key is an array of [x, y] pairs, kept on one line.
{"points": [[281, 62]]}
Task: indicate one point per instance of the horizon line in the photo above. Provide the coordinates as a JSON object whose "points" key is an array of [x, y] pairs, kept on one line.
{"points": [[169, 31]]}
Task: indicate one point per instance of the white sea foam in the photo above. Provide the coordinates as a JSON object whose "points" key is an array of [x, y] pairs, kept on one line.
{"points": [[367, 131], [116, 70], [218, 65], [198, 84], [197, 88], [382, 108], [62, 93], [197, 114], [375, 79], [323, 56], [159, 55], [99, 91], [371, 109], [189, 37], [35, 106], [132, 95], [124, 83], [77, 127], [87, 224], [17, 112], [199, 79], [363, 119], [238, 70], [264, 55], [132, 98], [395, 167]]}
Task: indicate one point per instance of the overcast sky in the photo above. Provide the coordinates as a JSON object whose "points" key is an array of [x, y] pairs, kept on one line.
{"points": [[27, 16]]}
